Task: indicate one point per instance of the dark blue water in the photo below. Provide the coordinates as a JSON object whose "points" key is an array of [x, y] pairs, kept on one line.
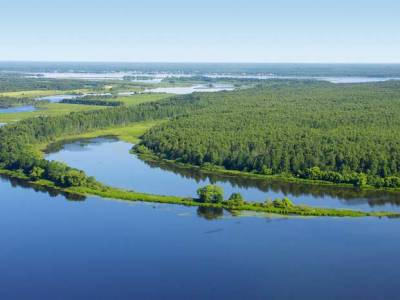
{"points": [[110, 162], [17, 109], [52, 248]]}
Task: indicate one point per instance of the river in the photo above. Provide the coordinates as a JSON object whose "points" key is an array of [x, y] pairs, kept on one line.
{"points": [[61, 247], [110, 162], [104, 249]]}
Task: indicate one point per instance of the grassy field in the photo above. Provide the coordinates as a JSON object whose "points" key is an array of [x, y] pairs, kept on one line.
{"points": [[141, 98], [39, 93], [60, 108], [129, 133]]}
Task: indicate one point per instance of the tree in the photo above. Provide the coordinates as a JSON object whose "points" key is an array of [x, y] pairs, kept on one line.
{"points": [[36, 173], [236, 199], [211, 194]]}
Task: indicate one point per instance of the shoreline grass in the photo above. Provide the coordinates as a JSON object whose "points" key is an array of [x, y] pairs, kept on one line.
{"points": [[121, 194]]}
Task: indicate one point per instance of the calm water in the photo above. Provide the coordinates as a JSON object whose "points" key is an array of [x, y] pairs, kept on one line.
{"points": [[181, 90], [53, 248], [110, 162], [155, 77], [58, 98], [17, 109]]}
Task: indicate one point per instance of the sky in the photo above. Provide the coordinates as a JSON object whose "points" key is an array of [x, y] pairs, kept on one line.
{"points": [[351, 31]]}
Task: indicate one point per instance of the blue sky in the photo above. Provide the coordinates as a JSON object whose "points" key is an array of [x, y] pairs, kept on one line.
{"points": [[201, 31]]}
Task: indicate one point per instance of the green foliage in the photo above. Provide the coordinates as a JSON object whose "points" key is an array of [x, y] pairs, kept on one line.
{"points": [[19, 82], [36, 173], [99, 102], [211, 194], [304, 129], [6, 102], [236, 199], [16, 139]]}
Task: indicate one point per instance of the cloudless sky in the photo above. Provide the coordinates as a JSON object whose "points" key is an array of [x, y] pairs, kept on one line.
{"points": [[201, 31]]}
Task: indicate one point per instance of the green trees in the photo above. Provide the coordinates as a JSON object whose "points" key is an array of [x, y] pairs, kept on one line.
{"points": [[302, 129], [211, 194], [236, 199], [311, 130], [15, 140], [99, 102], [36, 173]]}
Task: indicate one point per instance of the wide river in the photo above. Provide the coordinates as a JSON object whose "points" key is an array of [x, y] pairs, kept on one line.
{"points": [[104, 249], [93, 248]]}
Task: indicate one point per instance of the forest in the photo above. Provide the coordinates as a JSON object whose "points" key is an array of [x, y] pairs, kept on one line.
{"points": [[16, 140], [296, 129], [99, 102], [302, 129]]}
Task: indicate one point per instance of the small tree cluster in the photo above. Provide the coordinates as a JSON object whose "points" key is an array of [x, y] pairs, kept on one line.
{"points": [[211, 194]]}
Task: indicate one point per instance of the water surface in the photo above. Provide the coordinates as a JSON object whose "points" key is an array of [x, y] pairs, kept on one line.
{"points": [[17, 109], [110, 162], [157, 77], [181, 90], [103, 249]]}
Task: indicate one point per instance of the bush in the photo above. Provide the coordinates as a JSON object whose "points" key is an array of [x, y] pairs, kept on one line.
{"points": [[236, 199], [211, 194]]}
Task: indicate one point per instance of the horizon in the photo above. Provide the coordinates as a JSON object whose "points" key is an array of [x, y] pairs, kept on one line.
{"points": [[200, 62]]}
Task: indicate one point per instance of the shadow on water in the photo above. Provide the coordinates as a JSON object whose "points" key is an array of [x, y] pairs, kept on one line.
{"points": [[137, 174], [18, 183], [348, 194], [210, 213], [78, 143]]}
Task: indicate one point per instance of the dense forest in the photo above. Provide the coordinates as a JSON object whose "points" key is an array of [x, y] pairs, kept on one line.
{"points": [[340, 133], [92, 102], [303, 129]]}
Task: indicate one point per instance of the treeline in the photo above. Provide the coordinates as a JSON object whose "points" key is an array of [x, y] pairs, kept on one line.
{"points": [[92, 102], [16, 151], [17, 82], [313, 130], [6, 102]]}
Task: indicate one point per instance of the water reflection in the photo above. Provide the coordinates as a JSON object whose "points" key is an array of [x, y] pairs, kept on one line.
{"points": [[110, 162], [18, 183], [210, 213], [352, 195]]}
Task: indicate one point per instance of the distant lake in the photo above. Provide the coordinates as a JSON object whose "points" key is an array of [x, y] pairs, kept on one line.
{"points": [[17, 109], [58, 98], [191, 89], [158, 77], [110, 162]]}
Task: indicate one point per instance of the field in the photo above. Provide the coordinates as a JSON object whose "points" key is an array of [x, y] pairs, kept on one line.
{"points": [[141, 98], [52, 109]]}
